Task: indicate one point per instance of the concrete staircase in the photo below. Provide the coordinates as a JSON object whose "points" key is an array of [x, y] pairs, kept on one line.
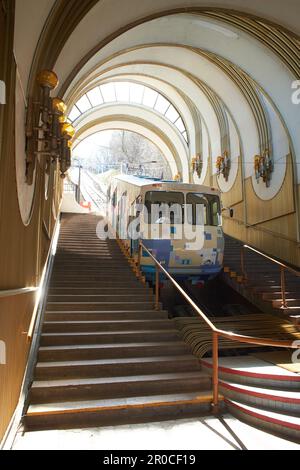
{"points": [[106, 356], [263, 286]]}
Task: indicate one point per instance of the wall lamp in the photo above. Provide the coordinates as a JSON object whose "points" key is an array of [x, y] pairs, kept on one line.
{"points": [[48, 134], [197, 164], [263, 167], [223, 165]]}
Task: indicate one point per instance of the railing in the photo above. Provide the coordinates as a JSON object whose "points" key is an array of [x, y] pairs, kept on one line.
{"points": [[18, 291], [216, 333], [283, 267]]}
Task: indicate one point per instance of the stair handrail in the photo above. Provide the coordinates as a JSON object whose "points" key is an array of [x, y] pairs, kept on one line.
{"points": [[283, 267], [17, 291], [216, 332]]}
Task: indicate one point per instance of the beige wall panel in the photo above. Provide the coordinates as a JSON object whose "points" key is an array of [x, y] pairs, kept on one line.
{"points": [[15, 315], [259, 211]]}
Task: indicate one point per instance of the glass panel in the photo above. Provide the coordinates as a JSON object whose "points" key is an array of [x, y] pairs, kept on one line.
{"points": [[150, 97], [161, 104], [180, 125], [74, 114], [215, 211], [185, 136], [205, 210], [172, 114], [108, 92], [122, 92], [136, 93], [83, 104], [164, 207], [198, 209], [95, 96]]}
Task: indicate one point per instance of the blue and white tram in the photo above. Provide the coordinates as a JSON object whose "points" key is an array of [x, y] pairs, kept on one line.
{"points": [[179, 223]]}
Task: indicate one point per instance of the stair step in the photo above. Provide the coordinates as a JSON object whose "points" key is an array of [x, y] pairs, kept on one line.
{"points": [[118, 411], [74, 291], [148, 295], [277, 423], [290, 302], [287, 402], [116, 367], [115, 387], [98, 306], [111, 325], [105, 315], [53, 339], [249, 370], [111, 351]]}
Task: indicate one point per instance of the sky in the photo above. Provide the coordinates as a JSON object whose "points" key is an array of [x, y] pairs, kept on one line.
{"points": [[91, 143]]}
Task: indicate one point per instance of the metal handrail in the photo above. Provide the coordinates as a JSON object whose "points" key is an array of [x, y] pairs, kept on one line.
{"points": [[283, 267], [216, 333], [18, 291]]}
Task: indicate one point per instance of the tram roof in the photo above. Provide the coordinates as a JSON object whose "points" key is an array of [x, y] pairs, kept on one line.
{"points": [[141, 181]]}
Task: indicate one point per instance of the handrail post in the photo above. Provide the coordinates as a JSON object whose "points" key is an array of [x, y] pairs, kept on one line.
{"points": [[157, 288], [244, 274], [139, 256], [283, 293], [215, 403]]}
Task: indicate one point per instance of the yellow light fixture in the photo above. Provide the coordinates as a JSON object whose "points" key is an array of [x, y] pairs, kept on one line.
{"points": [[62, 119], [48, 79], [68, 129], [59, 105], [70, 144]]}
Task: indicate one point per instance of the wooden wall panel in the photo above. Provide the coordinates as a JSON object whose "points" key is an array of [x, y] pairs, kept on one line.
{"points": [[235, 195], [15, 316], [271, 225], [23, 249], [259, 211]]}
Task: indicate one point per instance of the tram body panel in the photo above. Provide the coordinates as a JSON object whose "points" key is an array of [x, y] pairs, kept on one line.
{"points": [[182, 257]]}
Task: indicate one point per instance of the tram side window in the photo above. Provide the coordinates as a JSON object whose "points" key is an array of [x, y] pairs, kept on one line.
{"points": [[197, 209], [109, 192], [203, 209], [114, 198], [215, 210], [164, 207]]}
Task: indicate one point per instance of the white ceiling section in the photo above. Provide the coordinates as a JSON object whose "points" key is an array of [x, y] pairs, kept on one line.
{"points": [[30, 16], [188, 59], [226, 41], [130, 93]]}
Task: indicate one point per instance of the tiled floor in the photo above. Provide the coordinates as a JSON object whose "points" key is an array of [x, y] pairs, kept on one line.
{"points": [[194, 434]]}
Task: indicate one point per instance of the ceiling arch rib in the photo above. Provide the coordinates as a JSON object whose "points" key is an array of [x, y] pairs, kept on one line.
{"points": [[143, 118], [132, 18], [197, 67], [129, 92], [136, 66], [246, 53], [195, 96], [241, 80], [114, 123]]}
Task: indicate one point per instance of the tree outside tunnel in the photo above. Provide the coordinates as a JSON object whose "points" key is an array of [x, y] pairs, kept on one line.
{"points": [[119, 149]]}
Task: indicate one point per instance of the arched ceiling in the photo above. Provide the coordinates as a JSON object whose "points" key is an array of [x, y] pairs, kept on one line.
{"points": [[226, 66], [147, 122]]}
